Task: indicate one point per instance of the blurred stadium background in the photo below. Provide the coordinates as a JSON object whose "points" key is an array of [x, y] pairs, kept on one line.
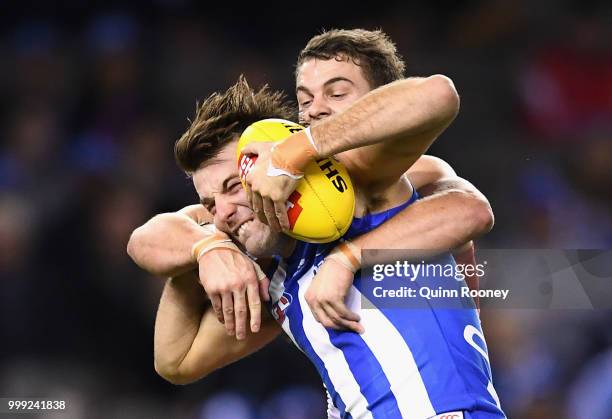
{"points": [[93, 99]]}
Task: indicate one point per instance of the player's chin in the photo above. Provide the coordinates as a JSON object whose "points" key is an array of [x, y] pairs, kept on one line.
{"points": [[261, 242]]}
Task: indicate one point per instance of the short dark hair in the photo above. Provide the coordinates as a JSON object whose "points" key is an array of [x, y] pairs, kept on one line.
{"points": [[224, 116], [373, 51]]}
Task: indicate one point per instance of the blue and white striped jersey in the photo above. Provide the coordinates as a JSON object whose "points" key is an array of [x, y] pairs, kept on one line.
{"points": [[409, 363]]}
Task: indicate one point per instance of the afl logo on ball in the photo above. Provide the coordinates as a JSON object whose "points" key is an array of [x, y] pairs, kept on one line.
{"points": [[245, 164]]}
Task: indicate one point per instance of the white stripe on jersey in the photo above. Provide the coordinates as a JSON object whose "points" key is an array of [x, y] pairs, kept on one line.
{"points": [[277, 282], [333, 358], [396, 360], [276, 290], [468, 334]]}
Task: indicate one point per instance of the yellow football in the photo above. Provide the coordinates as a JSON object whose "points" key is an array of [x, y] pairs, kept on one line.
{"points": [[320, 210]]}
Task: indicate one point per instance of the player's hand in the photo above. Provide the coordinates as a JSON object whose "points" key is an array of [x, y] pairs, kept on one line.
{"points": [[230, 279], [268, 194], [327, 294]]}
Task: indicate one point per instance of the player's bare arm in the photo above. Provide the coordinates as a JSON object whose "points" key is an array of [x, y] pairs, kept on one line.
{"points": [[150, 246], [452, 213], [164, 247], [397, 122], [190, 342], [230, 312]]}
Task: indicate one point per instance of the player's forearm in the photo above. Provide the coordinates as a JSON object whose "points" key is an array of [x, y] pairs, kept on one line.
{"points": [[190, 342], [180, 311], [403, 109], [162, 246], [440, 222], [213, 348]]}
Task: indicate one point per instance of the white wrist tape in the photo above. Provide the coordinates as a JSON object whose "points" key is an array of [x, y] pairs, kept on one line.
{"points": [[273, 171], [309, 135]]}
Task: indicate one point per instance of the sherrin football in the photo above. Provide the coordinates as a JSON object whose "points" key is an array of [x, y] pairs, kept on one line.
{"points": [[320, 210]]}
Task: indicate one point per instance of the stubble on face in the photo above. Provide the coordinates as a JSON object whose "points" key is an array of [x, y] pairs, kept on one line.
{"points": [[220, 191]]}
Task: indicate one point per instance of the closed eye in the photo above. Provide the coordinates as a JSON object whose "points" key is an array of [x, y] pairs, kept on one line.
{"points": [[235, 187], [210, 208]]}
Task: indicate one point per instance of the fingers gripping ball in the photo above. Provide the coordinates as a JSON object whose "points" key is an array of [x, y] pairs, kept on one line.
{"points": [[321, 208]]}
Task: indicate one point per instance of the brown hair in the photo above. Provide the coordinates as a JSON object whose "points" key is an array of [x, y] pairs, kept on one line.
{"points": [[373, 51], [224, 116]]}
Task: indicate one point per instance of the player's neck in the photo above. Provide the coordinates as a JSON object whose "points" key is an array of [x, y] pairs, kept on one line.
{"points": [[370, 201], [285, 246]]}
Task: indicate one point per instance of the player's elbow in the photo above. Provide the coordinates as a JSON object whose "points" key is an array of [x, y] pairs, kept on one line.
{"points": [[142, 249], [443, 93], [174, 378], [480, 217], [177, 375], [170, 374], [136, 248], [132, 245]]}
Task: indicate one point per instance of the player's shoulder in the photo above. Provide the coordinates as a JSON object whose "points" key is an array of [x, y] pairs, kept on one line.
{"points": [[428, 169], [428, 162]]}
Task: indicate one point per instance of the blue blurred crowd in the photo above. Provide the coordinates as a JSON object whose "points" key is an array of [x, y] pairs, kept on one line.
{"points": [[93, 101]]}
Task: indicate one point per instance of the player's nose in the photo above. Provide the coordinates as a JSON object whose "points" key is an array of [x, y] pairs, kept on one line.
{"points": [[225, 212], [319, 109]]}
